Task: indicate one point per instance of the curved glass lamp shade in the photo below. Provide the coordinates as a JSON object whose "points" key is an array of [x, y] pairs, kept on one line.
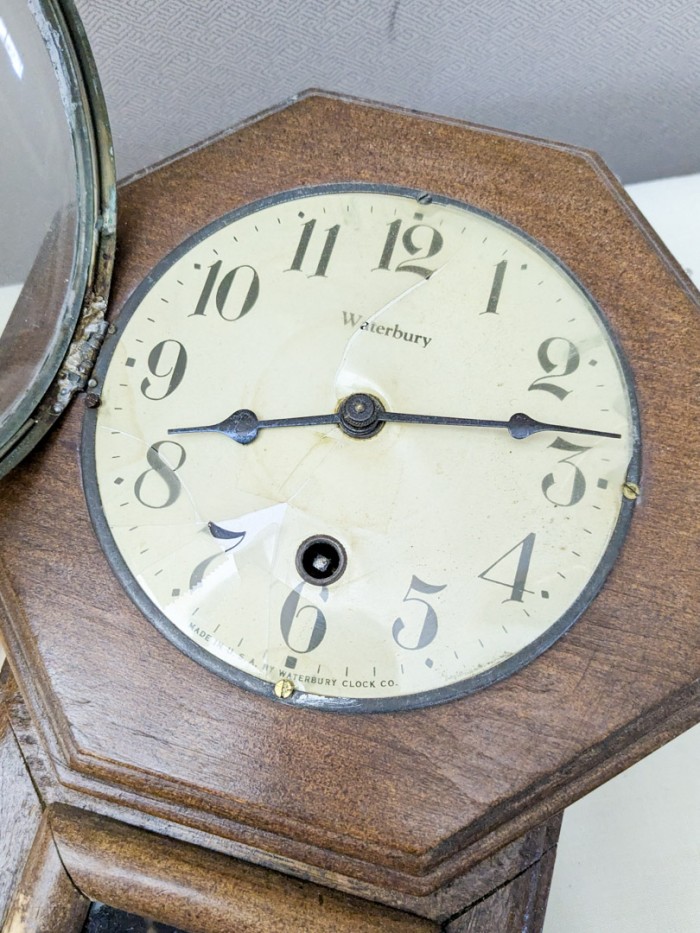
{"points": [[57, 217]]}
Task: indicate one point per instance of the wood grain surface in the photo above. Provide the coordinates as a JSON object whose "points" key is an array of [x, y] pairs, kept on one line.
{"points": [[517, 907], [202, 891], [447, 902], [404, 801], [20, 808], [45, 899]]}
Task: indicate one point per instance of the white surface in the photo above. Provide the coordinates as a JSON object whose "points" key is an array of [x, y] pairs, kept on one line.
{"points": [[629, 853], [672, 207], [8, 296]]}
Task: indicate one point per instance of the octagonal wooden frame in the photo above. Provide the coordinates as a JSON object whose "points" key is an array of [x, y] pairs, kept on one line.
{"points": [[394, 807]]}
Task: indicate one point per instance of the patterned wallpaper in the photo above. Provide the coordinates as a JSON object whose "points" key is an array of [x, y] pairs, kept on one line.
{"points": [[619, 77]]}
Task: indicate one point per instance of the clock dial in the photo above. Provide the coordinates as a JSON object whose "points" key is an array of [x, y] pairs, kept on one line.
{"points": [[275, 470]]}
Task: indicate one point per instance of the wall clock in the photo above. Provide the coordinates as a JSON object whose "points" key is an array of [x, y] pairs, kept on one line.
{"points": [[343, 577]]}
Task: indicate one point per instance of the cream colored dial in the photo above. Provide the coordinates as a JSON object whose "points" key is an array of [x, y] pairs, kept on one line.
{"points": [[384, 571]]}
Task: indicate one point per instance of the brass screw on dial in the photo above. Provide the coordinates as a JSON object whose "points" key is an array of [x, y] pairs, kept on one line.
{"points": [[284, 689], [631, 491]]}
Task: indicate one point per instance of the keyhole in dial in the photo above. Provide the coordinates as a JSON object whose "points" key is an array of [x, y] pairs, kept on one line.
{"points": [[321, 560]]}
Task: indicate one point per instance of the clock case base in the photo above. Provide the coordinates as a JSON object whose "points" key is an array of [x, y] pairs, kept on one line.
{"points": [[57, 859], [121, 725]]}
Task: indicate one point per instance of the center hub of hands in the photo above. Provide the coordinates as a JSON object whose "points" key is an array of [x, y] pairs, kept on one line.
{"points": [[359, 415]]}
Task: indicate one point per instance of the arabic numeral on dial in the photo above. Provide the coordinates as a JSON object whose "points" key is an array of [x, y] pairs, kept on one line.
{"points": [[158, 486], [245, 293], [307, 623], [522, 555], [197, 575], [166, 361], [496, 286], [401, 631], [556, 353], [416, 238], [578, 481], [306, 232]]}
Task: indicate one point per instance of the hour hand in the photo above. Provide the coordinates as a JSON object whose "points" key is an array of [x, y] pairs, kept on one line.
{"points": [[518, 425], [243, 425]]}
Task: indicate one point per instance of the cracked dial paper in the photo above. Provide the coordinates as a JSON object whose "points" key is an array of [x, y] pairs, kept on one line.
{"points": [[467, 551]]}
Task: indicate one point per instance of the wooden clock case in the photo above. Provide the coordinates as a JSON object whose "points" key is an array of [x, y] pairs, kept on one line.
{"points": [[133, 776]]}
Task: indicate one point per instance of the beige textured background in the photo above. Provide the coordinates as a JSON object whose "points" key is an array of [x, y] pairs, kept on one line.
{"points": [[621, 78]]}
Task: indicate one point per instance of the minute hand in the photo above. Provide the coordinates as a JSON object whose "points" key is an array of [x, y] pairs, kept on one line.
{"points": [[518, 425]]}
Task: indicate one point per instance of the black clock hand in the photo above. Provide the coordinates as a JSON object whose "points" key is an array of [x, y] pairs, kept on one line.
{"points": [[519, 425], [361, 416], [243, 425]]}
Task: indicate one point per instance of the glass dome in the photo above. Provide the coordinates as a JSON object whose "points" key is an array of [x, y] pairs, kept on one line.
{"points": [[56, 220]]}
